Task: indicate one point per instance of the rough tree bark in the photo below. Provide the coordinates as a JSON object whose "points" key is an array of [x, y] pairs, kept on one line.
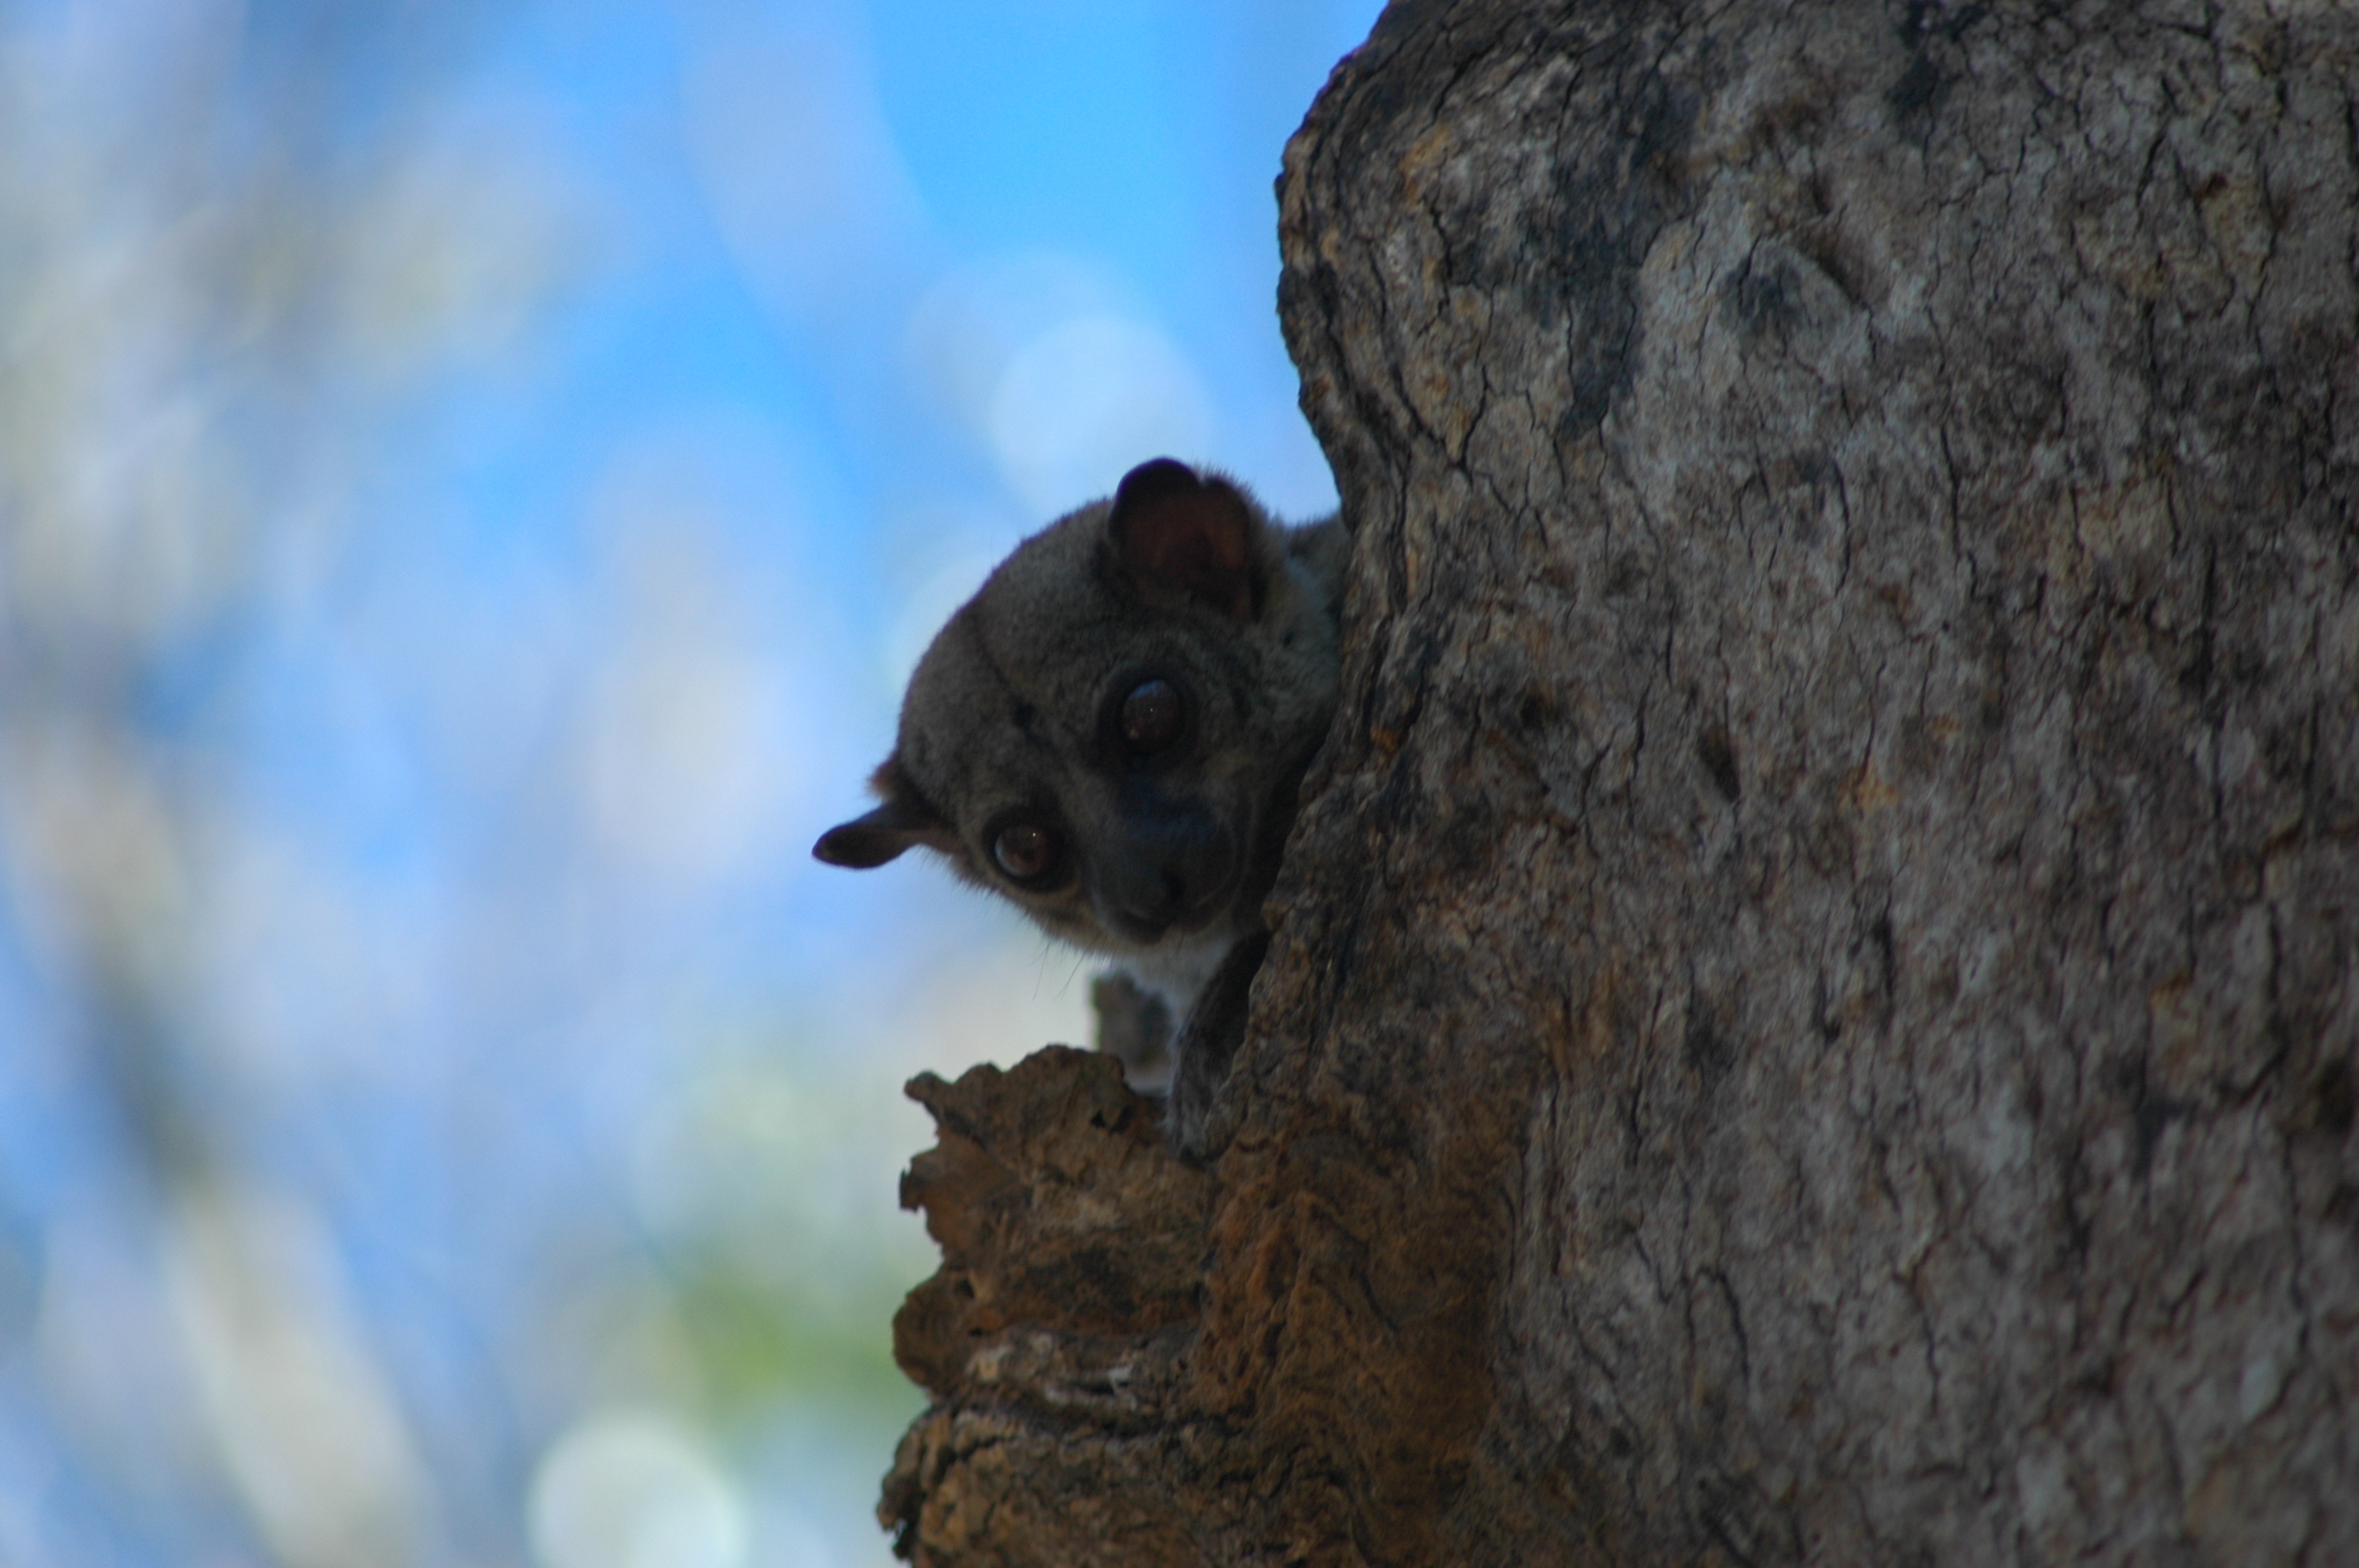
{"points": [[1813, 1012]]}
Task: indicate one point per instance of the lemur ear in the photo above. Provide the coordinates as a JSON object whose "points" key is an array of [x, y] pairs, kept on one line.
{"points": [[1178, 532], [904, 822]]}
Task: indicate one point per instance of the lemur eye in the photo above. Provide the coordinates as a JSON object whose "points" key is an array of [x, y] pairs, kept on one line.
{"points": [[1026, 851], [1151, 717]]}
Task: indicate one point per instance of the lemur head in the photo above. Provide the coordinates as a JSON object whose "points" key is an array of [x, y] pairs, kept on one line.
{"points": [[1112, 730]]}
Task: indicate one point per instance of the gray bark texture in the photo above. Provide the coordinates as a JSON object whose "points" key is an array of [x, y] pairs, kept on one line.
{"points": [[1814, 1002]]}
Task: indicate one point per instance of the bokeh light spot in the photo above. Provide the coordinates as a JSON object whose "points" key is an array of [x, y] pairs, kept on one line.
{"points": [[634, 1490]]}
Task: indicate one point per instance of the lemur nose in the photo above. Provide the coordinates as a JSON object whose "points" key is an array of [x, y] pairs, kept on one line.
{"points": [[1165, 863], [1135, 898]]}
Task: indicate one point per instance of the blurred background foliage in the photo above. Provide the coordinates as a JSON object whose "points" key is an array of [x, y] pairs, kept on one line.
{"points": [[472, 479]]}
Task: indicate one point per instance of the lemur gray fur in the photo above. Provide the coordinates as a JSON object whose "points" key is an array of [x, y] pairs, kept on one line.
{"points": [[1111, 733]]}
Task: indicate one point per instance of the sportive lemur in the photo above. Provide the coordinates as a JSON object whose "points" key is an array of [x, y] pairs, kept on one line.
{"points": [[1112, 732]]}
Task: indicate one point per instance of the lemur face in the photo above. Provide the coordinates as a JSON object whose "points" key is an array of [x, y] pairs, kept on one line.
{"points": [[1111, 732]]}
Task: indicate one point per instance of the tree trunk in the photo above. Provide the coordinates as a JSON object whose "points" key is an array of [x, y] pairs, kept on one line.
{"points": [[1813, 1010]]}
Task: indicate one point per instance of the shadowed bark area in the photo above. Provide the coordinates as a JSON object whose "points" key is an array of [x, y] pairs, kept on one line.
{"points": [[1814, 997]]}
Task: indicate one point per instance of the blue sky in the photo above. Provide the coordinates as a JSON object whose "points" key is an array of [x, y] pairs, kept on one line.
{"points": [[478, 483]]}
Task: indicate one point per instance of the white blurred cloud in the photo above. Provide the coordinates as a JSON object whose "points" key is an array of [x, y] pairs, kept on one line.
{"points": [[1077, 406], [697, 720], [308, 1425], [794, 153], [630, 1489], [1050, 368], [454, 250], [977, 318], [680, 772]]}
